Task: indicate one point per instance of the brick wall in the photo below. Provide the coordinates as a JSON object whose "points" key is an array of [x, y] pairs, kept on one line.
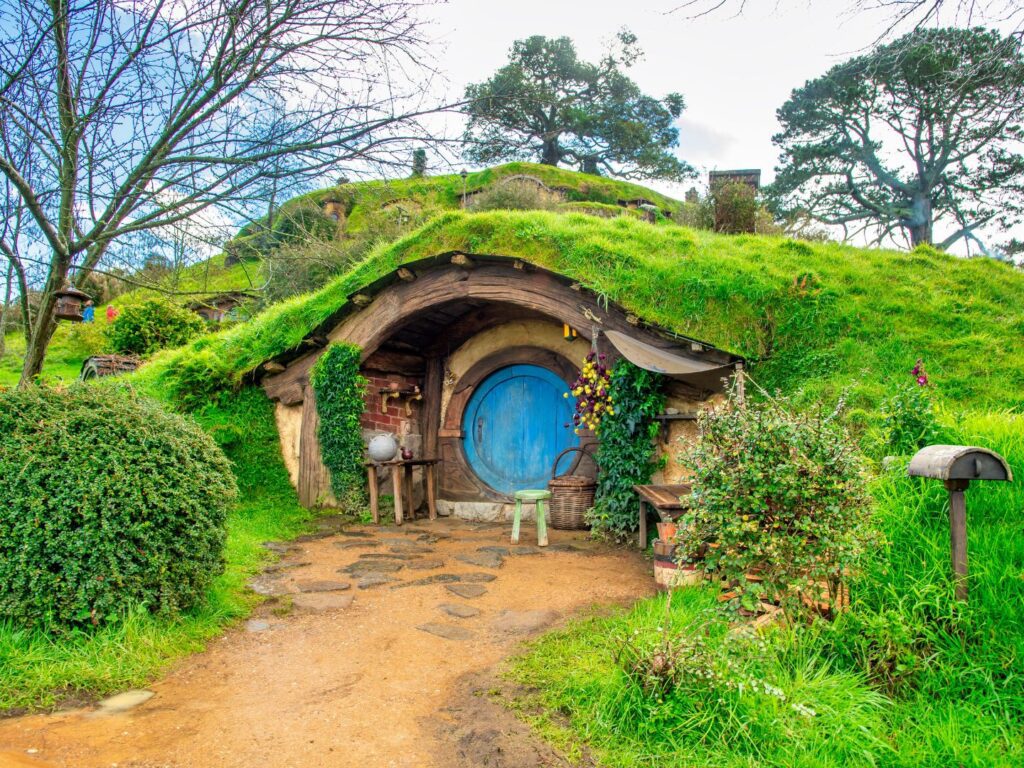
{"points": [[395, 419]]}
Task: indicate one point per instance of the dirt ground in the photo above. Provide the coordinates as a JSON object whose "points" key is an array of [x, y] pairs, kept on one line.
{"points": [[351, 663]]}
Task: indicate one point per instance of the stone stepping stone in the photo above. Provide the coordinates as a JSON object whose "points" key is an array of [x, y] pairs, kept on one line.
{"points": [[468, 591], [525, 549], [523, 622], [500, 551], [332, 523], [361, 567], [396, 542], [307, 537], [371, 580], [280, 547], [386, 556], [477, 577], [356, 534], [433, 537], [322, 601], [410, 548], [122, 702], [482, 559], [257, 625], [322, 585], [440, 578], [358, 544], [269, 585], [425, 565], [447, 631], [459, 611], [284, 565]]}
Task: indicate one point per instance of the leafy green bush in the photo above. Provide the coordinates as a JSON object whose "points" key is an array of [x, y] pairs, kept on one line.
{"points": [[142, 329], [779, 507], [340, 390], [110, 503], [626, 452]]}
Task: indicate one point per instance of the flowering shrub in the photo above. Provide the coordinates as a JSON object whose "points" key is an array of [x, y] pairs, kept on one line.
{"points": [[779, 505], [593, 394], [909, 415], [626, 452]]}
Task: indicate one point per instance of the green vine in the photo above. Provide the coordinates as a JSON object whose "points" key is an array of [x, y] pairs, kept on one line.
{"points": [[340, 391], [626, 453]]}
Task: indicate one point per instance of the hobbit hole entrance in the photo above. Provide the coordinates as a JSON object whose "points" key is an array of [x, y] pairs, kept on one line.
{"points": [[467, 362]]}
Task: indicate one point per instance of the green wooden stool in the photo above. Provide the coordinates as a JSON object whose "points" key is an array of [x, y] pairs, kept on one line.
{"points": [[542, 527]]}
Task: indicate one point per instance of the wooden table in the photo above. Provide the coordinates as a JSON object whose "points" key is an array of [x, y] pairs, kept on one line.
{"points": [[667, 500], [400, 480]]}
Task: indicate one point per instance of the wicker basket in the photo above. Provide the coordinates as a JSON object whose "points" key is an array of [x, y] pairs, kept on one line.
{"points": [[571, 496]]}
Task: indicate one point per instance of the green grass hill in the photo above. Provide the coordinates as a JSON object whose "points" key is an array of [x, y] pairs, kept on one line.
{"points": [[824, 319]]}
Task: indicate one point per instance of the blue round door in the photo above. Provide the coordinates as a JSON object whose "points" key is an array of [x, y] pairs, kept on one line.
{"points": [[516, 424]]}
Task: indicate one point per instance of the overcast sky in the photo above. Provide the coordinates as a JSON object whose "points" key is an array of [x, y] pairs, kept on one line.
{"points": [[734, 71]]}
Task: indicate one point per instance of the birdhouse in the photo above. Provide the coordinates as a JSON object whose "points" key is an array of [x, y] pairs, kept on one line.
{"points": [[69, 304], [956, 466]]}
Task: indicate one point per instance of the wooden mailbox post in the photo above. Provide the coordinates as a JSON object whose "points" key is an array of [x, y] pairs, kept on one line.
{"points": [[956, 466]]}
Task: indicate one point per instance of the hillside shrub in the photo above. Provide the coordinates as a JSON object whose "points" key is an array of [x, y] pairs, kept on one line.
{"points": [[780, 508], [626, 454], [340, 391], [110, 504], [515, 196], [142, 329]]}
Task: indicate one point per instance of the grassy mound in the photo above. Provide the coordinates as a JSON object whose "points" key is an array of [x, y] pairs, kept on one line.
{"points": [[822, 318]]}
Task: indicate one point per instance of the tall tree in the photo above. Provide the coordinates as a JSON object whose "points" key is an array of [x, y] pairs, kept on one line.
{"points": [[122, 116], [921, 134], [549, 106]]}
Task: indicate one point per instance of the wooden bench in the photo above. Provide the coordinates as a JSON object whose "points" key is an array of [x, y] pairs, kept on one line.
{"points": [[669, 501]]}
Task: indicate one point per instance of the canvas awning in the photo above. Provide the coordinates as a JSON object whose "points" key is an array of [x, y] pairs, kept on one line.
{"points": [[703, 374]]}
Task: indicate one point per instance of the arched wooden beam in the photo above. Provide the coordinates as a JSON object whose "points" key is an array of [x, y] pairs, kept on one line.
{"points": [[391, 303]]}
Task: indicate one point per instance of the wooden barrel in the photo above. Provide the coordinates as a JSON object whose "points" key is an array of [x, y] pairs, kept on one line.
{"points": [[667, 572]]}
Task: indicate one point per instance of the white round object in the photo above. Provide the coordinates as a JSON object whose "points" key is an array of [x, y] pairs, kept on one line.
{"points": [[382, 448]]}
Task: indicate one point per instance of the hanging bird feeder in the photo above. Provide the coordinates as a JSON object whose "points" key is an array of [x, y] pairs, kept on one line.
{"points": [[69, 304]]}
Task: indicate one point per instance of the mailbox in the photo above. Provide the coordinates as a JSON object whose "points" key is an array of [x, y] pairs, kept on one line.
{"points": [[956, 466], [959, 462]]}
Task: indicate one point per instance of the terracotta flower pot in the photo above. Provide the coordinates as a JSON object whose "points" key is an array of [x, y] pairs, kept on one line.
{"points": [[667, 531]]}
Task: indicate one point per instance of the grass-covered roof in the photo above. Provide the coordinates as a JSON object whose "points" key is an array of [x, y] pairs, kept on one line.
{"points": [[824, 318]]}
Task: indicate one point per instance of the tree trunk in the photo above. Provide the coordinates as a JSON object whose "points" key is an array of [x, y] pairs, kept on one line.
{"points": [[45, 323], [919, 223], [551, 153], [589, 165]]}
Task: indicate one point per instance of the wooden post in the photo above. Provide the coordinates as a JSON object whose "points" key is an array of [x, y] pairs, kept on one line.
{"points": [[312, 472], [396, 485], [958, 534], [371, 472], [741, 385], [643, 523], [431, 491], [407, 482]]}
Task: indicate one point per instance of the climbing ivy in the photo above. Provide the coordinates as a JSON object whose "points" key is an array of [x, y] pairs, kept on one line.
{"points": [[340, 390], [626, 451]]}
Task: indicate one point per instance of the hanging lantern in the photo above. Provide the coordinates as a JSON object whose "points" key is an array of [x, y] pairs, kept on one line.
{"points": [[69, 304]]}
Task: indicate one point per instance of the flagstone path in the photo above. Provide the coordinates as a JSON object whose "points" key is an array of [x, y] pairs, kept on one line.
{"points": [[365, 654]]}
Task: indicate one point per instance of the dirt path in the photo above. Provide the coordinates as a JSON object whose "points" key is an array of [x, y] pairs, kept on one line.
{"points": [[370, 675]]}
